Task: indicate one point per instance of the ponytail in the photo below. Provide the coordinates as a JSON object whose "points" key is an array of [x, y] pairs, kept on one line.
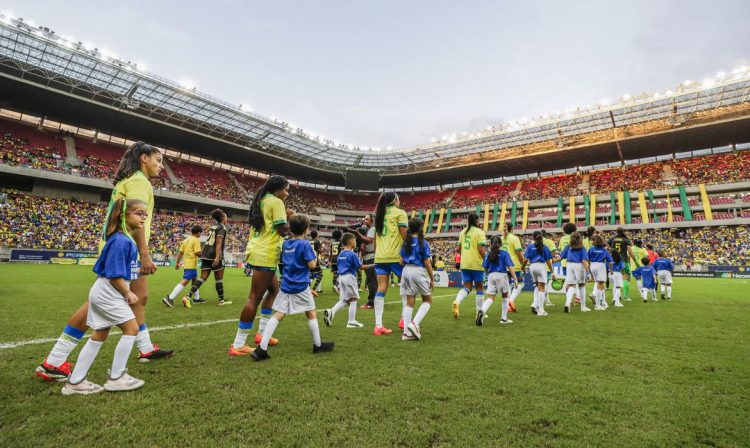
{"points": [[473, 219], [131, 160], [539, 242], [255, 214], [416, 228], [495, 244], [384, 201]]}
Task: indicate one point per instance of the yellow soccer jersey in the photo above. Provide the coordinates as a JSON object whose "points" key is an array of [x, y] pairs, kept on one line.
{"points": [[470, 241], [639, 253], [564, 242], [189, 246], [550, 245], [511, 244], [388, 245], [138, 187], [587, 243], [264, 245]]}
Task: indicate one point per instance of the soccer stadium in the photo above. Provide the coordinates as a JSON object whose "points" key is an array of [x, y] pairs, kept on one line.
{"points": [[573, 279]]}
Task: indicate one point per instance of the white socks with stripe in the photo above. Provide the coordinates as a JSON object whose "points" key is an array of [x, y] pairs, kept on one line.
{"points": [[462, 293]]}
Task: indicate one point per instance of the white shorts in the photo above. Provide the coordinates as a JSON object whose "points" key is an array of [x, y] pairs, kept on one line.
{"points": [[538, 272], [665, 277], [348, 287], [599, 271], [415, 280], [574, 274], [294, 303], [107, 307], [617, 279], [497, 282]]}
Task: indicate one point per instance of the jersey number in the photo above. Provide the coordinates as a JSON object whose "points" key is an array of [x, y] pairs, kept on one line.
{"points": [[467, 242]]}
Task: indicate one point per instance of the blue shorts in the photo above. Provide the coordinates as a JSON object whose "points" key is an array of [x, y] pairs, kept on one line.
{"points": [[388, 268], [189, 274], [469, 275]]}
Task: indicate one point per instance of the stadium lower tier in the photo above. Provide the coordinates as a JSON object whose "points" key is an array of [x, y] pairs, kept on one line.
{"points": [[28, 221]]}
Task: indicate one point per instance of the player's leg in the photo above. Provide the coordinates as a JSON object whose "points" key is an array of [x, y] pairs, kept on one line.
{"points": [[219, 279], [186, 278], [463, 292], [383, 274], [205, 272], [77, 383], [406, 316], [415, 326], [261, 281], [147, 350], [119, 380], [55, 366], [479, 285], [372, 287], [266, 310]]}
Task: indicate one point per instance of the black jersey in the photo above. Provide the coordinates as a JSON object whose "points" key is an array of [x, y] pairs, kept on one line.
{"points": [[334, 255], [620, 244], [209, 248], [317, 246]]}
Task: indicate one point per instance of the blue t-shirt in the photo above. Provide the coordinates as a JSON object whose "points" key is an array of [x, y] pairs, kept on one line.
{"points": [[348, 262], [501, 265], [574, 255], [617, 267], [599, 255], [119, 258], [417, 256], [647, 274], [532, 254], [663, 264], [295, 254]]}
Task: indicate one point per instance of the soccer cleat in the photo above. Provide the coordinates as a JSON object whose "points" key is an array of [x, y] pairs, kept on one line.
{"points": [[323, 347], [85, 387], [662, 297], [168, 302], [455, 310], [156, 353], [123, 384], [598, 308], [618, 305], [380, 331], [548, 303], [542, 313], [242, 351], [200, 301], [224, 302], [401, 324], [328, 317], [585, 309], [533, 310], [366, 306], [48, 372], [186, 302], [414, 331], [566, 309], [259, 354], [354, 324], [627, 299], [408, 337], [480, 318], [505, 321], [645, 300], [314, 293], [259, 337], [512, 306]]}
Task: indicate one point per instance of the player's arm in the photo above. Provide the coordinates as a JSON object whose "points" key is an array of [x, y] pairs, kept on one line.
{"points": [[178, 260], [512, 271], [632, 255], [219, 250], [482, 248], [123, 288], [147, 264], [428, 268]]}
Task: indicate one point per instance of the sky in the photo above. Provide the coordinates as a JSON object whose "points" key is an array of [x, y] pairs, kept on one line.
{"points": [[399, 73]]}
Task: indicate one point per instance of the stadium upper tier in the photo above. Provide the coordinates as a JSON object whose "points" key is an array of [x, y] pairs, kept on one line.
{"points": [[87, 87]]}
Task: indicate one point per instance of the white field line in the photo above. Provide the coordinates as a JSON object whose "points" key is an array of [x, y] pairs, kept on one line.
{"points": [[16, 344]]}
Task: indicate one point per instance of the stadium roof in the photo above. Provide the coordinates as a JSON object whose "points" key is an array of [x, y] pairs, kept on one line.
{"points": [[46, 74]]}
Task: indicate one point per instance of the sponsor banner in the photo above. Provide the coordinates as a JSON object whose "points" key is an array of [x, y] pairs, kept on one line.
{"points": [[88, 261], [728, 268], [693, 274], [46, 255], [737, 275], [56, 260], [163, 263], [441, 279]]}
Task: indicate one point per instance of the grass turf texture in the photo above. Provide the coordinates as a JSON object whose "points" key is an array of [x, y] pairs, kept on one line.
{"points": [[656, 374]]}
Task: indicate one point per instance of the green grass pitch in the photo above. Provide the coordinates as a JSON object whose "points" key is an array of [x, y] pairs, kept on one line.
{"points": [[656, 374]]}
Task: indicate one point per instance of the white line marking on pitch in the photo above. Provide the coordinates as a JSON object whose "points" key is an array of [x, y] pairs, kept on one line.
{"points": [[7, 345]]}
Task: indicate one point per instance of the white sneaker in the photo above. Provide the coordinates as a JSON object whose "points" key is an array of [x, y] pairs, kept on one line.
{"points": [[618, 305], [354, 324], [328, 317], [406, 337], [654, 299], [548, 303], [85, 387], [414, 331], [585, 309], [598, 308], [542, 313], [124, 383], [507, 321]]}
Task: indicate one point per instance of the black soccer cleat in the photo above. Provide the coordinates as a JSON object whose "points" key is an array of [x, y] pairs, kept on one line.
{"points": [[480, 318], [663, 297], [259, 354], [156, 353], [322, 348], [199, 301], [566, 309], [168, 302], [533, 310]]}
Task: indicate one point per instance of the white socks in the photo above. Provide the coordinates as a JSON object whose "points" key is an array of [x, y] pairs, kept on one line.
{"points": [[462, 295], [662, 287], [270, 328], [480, 300], [669, 291], [312, 324], [353, 312], [616, 295], [143, 339], [122, 353], [177, 289], [516, 292], [504, 311], [421, 313], [408, 310], [338, 307], [66, 343], [85, 359], [379, 306], [570, 294], [486, 305]]}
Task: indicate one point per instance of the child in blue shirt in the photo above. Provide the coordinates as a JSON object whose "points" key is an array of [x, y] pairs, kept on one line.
{"points": [[109, 302], [295, 296], [575, 273], [416, 278], [648, 278], [500, 270], [617, 267], [664, 267], [348, 265]]}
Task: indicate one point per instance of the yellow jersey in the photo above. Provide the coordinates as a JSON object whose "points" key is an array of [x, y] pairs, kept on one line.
{"points": [[189, 246], [512, 244], [470, 240], [564, 242], [551, 246], [639, 253], [388, 245], [264, 245], [137, 186]]}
